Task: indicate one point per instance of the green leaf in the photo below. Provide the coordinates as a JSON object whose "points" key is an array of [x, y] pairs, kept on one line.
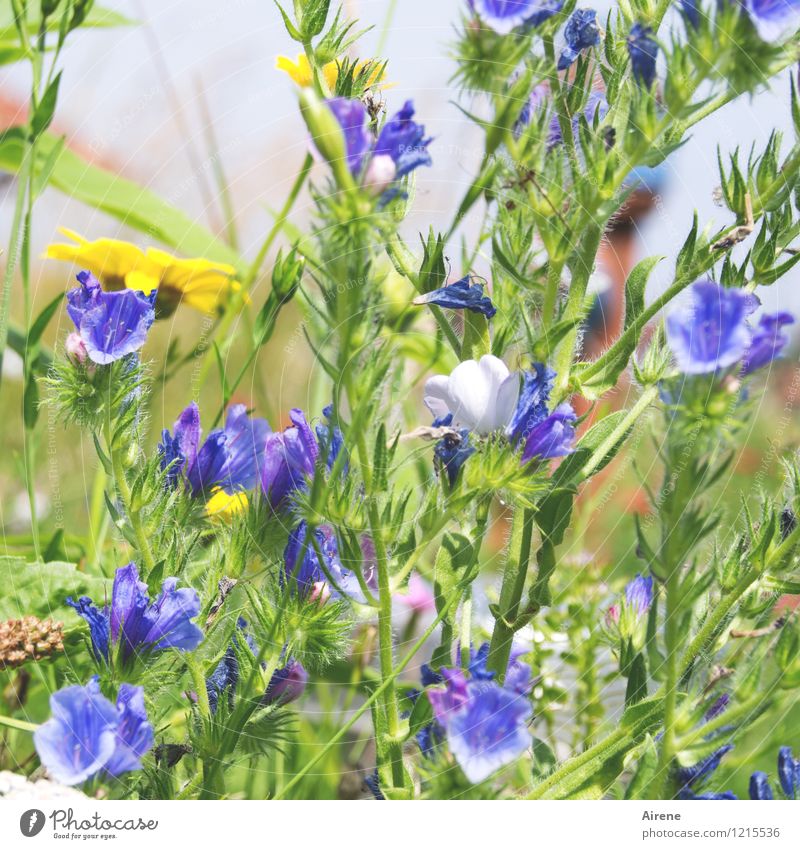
{"points": [[294, 33], [30, 402], [122, 199], [544, 760], [645, 770], [46, 108], [572, 466], [637, 681], [42, 320], [40, 589], [635, 287], [454, 555], [421, 715]]}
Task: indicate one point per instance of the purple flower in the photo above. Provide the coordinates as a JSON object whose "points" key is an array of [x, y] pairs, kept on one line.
{"points": [[580, 33], [773, 18], [289, 459], [330, 439], [709, 331], [767, 341], [231, 457], [551, 437], [404, 141], [503, 16], [532, 403], [486, 726], [352, 118], [400, 148], [110, 324], [691, 777], [461, 295], [86, 734], [639, 595], [788, 772], [308, 575], [136, 625], [643, 49], [451, 452], [287, 684]]}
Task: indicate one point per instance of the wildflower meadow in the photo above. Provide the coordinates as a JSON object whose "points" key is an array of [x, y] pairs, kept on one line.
{"points": [[526, 537]]}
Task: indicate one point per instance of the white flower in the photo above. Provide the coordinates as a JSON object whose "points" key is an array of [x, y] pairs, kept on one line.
{"points": [[481, 395]]}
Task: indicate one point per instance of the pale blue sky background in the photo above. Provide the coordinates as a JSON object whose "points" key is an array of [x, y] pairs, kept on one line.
{"points": [[117, 101]]}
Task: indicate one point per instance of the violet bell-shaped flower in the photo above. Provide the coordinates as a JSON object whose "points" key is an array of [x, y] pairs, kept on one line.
{"points": [[87, 734], [134, 625], [111, 325]]}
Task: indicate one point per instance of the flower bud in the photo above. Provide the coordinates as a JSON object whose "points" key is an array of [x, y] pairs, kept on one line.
{"points": [[287, 684], [381, 173], [286, 275], [327, 135], [75, 349], [320, 592]]}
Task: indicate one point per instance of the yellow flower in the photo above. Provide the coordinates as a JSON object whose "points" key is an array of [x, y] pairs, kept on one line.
{"points": [[199, 283], [224, 506], [300, 71]]}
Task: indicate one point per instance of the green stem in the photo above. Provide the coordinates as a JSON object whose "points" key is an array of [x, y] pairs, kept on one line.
{"points": [[134, 517], [18, 724], [672, 642], [510, 598], [385, 642], [15, 242]]}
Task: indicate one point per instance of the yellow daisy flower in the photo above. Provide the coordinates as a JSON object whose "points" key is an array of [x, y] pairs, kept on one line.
{"points": [[224, 506], [300, 71], [199, 283]]}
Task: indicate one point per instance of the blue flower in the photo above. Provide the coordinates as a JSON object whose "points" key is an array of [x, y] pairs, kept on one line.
{"points": [[461, 295], [330, 439], [400, 148], [759, 787], [110, 324], [580, 33], [452, 451], [374, 787], [309, 577], [87, 734], [532, 403], [286, 684], [767, 341], [773, 18], [289, 459], [403, 140], [691, 11], [691, 777], [788, 777], [134, 624], [639, 594], [486, 725], [230, 457], [643, 49], [552, 437], [709, 331], [788, 772], [503, 16]]}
